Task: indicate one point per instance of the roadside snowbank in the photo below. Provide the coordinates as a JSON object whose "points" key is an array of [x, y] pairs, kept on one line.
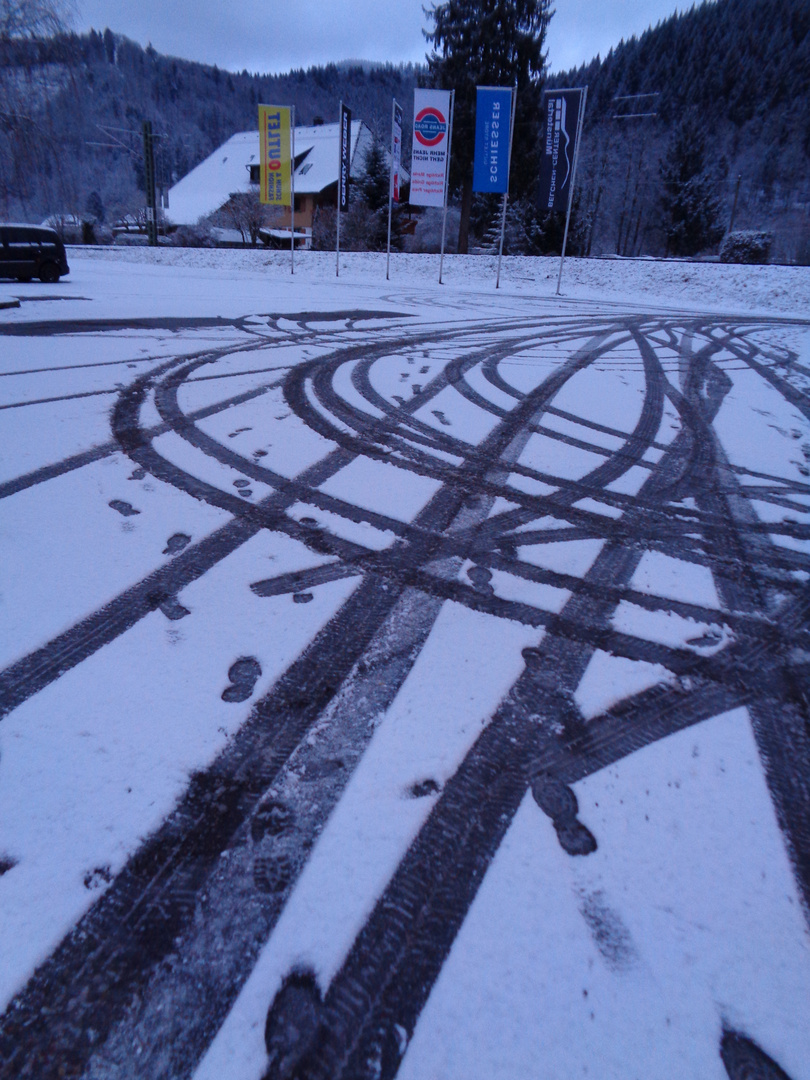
{"points": [[706, 286]]}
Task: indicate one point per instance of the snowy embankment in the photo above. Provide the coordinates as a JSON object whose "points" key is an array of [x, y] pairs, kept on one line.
{"points": [[709, 286]]}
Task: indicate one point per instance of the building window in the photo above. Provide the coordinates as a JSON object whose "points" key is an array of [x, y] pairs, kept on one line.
{"points": [[305, 169], [255, 173]]}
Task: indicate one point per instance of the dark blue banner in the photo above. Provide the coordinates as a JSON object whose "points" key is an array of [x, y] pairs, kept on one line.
{"points": [[345, 157], [561, 110], [493, 115]]}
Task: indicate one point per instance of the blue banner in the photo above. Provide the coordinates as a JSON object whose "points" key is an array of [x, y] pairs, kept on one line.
{"points": [[493, 116]]}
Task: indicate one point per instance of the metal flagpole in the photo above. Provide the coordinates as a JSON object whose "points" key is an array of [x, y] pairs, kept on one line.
{"points": [[580, 119], [447, 180], [390, 189], [506, 193], [340, 177], [292, 189]]}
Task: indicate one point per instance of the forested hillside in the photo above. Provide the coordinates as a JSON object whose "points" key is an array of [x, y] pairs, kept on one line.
{"points": [[733, 75], [702, 122], [76, 142]]}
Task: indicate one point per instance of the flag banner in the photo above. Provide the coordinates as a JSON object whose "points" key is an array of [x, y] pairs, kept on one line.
{"points": [[493, 115], [561, 110], [431, 142], [345, 157], [275, 145], [396, 151]]}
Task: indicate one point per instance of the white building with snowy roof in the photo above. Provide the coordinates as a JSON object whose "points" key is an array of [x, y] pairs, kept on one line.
{"points": [[234, 169]]}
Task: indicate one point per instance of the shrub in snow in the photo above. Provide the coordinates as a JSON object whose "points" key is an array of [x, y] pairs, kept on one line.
{"points": [[361, 228], [131, 240], [324, 229], [193, 236], [750, 246], [427, 235]]}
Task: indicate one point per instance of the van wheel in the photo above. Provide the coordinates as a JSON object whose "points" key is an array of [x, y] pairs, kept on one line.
{"points": [[49, 273]]}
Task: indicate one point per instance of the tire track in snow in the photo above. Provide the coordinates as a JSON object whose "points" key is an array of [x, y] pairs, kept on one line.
{"points": [[172, 874]]}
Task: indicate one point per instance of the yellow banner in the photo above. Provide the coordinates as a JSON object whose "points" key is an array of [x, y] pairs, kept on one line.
{"points": [[274, 139]]}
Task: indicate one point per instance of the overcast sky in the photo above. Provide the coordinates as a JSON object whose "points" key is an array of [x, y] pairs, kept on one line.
{"points": [[274, 36]]}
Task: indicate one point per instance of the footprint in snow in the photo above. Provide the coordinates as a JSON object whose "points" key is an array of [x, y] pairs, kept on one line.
{"points": [[480, 578], [124, 508], [94, 879], [6, 863], [441, 417], [173, 609], [559, 802], [422, 788], [272, 874], [294, 1022], [244, 674], [744, 1060], [176, 543], [138, 474]]}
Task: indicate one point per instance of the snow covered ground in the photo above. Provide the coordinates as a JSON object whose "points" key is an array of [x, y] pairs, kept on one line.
{"points": [[404, 679]]}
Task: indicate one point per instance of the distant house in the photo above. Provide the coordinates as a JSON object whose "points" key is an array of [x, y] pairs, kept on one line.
{"points": [[234, 168]]}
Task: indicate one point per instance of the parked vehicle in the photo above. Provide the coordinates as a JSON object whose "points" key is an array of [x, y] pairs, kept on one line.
{"points": [[29, 251]]}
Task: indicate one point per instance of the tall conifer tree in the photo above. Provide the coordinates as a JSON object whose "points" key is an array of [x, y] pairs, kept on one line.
{"points": [[690, 199], [489, 43]]}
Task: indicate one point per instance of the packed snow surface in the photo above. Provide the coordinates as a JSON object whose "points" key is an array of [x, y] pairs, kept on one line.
{"points": [[414, 669]]}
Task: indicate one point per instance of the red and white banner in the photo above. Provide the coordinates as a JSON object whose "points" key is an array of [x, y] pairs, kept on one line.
{"points": [[431, 146]]}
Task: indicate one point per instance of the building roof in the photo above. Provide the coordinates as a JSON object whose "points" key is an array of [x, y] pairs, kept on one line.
{"points": [[227, 171]]}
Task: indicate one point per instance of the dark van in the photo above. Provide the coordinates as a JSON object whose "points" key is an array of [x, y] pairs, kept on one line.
{"points": [[29, 251]]}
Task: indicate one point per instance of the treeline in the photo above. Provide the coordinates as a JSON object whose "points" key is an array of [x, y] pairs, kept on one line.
{"points": [[701, 122], [735, 75], [75, 145]]}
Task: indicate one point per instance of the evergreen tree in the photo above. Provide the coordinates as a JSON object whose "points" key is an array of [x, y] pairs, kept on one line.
{"points": [[489, 43], [95, 207], [690, 200], [373, 186]]}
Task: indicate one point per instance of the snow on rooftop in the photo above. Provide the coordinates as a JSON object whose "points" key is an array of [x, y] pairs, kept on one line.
{"points": [[227, 171]]}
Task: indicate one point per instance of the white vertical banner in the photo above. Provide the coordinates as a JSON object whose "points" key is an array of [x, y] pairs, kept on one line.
{"points": [[344, 168], [446, 183], [431, 147]]}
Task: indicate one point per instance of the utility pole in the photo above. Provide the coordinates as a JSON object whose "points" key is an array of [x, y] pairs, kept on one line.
{"points": [[149, 183]]}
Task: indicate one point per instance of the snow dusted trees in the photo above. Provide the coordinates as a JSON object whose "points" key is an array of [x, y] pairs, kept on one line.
{"points": [[245, 213], [489, 43], [20, 19], [365, 226], [25, 86], [689, 199]]}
